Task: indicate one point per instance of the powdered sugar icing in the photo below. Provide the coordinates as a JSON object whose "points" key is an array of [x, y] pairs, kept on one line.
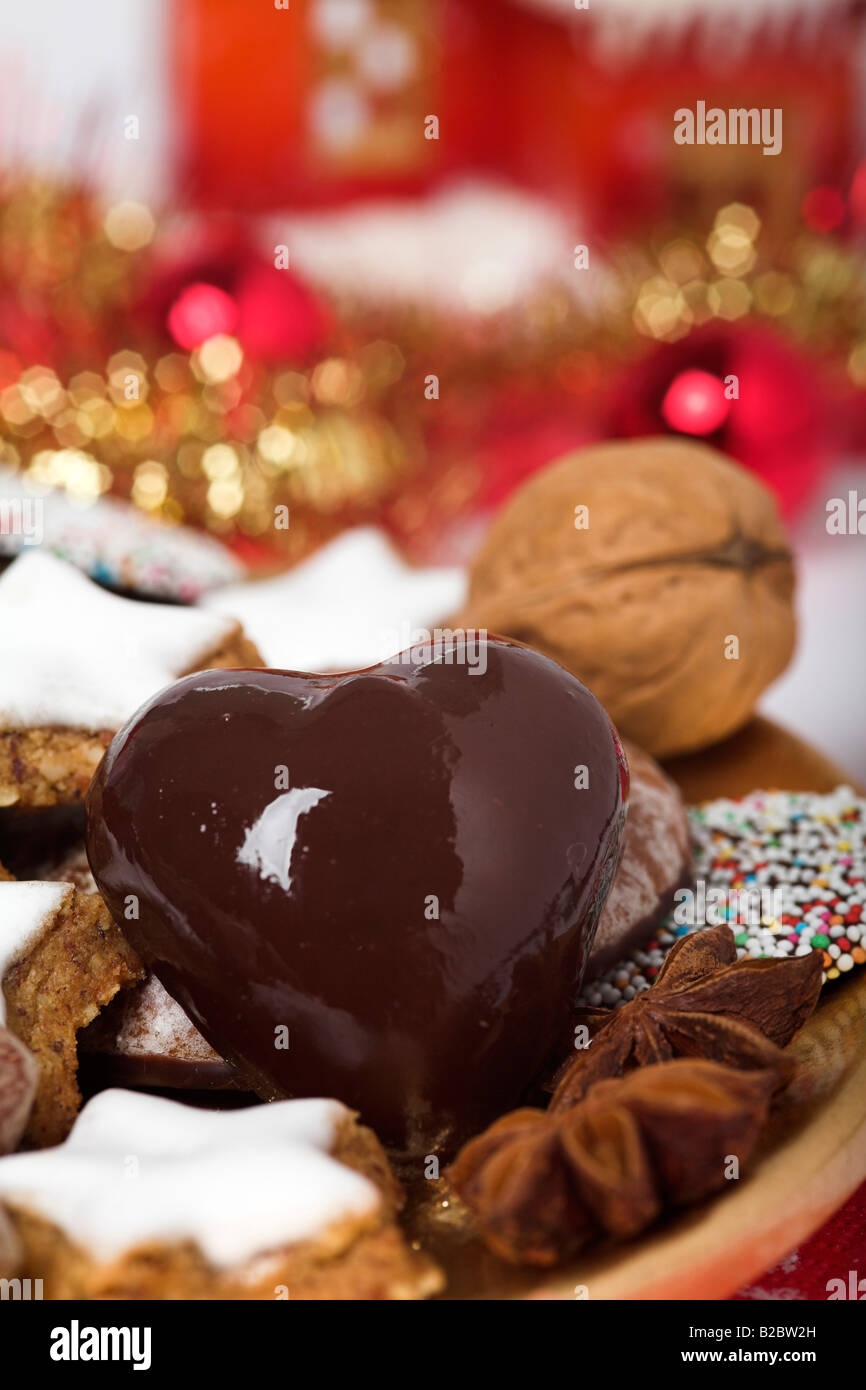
{"points": [[75, 656], [25, 910], [240, 1183]]}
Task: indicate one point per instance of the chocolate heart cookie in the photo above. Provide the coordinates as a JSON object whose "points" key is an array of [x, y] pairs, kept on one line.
{"points": [[379, 886]]}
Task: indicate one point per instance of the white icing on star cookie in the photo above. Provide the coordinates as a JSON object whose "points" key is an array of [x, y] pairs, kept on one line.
{"points": [[77, 657], [240, 1183], [354, 603], [26, 909]]}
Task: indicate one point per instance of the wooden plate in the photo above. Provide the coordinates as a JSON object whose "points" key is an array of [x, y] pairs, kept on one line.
{"points": [[812, 1160]]}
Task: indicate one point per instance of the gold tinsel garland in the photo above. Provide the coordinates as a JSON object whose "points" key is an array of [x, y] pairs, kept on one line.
{"points": [[217, 439], [200, 437], [207, 436]]}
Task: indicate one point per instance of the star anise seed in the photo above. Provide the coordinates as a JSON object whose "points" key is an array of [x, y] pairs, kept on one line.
{"points": [[704, 1003], [542, 1185]]}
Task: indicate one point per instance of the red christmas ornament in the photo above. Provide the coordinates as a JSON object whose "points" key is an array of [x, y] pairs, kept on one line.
{"points": [[279, 317], [507, 434], [217, 282], [778, 420], [823, 209], [200, 312], [695, 403], [857, 197], [32, 336]]}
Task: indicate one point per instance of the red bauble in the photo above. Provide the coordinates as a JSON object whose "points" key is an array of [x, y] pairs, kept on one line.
{"points": [[279, 318], [777, 419], [695, 403], [507, 433], [823, 209], [200, 312], [217, 282], [525, 438], [857, 196]]}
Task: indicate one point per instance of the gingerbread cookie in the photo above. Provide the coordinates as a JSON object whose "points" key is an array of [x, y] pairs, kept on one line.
{"points": [[265, 906], [656, 861], [143, 1037], [150, 1199], [61, 959], [77, 663]]}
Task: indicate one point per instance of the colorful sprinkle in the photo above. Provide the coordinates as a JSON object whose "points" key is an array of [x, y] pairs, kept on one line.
{"points": [[118, 546], [806, 853]]}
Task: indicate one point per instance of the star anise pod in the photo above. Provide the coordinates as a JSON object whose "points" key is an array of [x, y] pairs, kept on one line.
{"points": [[704, 1003], [544, 1184]]}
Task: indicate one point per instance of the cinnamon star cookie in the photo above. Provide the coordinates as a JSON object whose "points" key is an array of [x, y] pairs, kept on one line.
{"points": [[77, 663], [143, 1037], [150, 1199], [61, 959], [351, 604]]}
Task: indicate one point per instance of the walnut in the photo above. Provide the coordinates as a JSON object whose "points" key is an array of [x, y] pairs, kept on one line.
{"points": [[670, 596]]}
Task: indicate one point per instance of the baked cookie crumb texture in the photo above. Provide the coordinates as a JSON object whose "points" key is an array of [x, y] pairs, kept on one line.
{"points": [[286, 1201], [48, 767], [61, 960]]}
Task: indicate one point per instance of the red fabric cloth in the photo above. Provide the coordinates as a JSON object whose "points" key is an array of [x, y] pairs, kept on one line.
{"points": [[832, 1253]]}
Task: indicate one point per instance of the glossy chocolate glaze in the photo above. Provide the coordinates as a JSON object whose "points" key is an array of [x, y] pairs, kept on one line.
{"points": [[423, 938], [153, 1072]]}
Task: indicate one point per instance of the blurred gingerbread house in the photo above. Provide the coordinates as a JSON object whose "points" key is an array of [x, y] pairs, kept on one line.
{"points": [[316, 101]]}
